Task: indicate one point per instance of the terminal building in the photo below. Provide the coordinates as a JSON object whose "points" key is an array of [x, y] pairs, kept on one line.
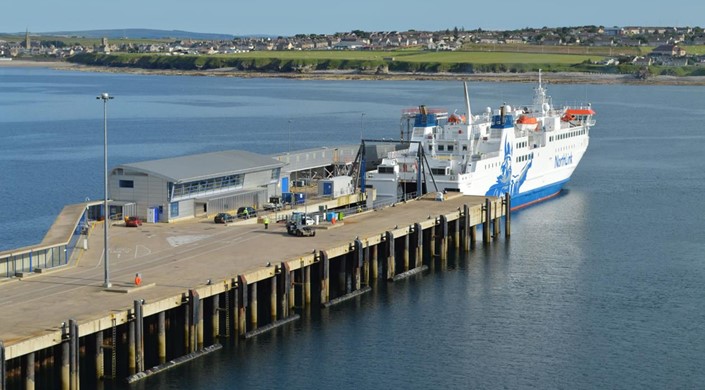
{"points": [[198, 185], [170, 189]]}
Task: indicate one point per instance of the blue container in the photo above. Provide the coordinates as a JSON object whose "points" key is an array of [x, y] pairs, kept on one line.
{"points": [[300, 197], [286, 197], [328, 188]]}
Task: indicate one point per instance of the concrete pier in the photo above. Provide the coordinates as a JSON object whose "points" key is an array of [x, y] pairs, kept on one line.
{"points": [[202, 282]]}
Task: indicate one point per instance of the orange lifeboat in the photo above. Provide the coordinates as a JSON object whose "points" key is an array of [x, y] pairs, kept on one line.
{"points": [[454, 119], [575, 113], [527, 120]]}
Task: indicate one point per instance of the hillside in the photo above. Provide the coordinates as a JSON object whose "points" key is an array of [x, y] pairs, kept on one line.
{"points": [[136, 33]]}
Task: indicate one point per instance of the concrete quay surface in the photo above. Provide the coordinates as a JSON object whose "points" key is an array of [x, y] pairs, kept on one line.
{"points": [[173, 258]]}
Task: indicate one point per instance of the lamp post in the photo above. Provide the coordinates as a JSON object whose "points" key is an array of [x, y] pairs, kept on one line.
{"points": [[105, 97]]}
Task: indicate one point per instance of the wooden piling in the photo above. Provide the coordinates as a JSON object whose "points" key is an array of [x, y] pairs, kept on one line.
{"points": [[343, 284], [187, 327], [253, 305], [432, 242], [139, 336], [195, 321], [29, 371], [161, 337], [456, 233], [273, 299], [487, 220], [390, 255], [507, 215], [65, 355], [374, 262], [325, 277], [406, 252], [99, 356], [496, 222], [284, 287], [444, 238], [292, 289], [366, 265], [466, 227], [73, 354], [215, 318], [243, 301], [358, 257], [418, 247], [131, 352], [307, 285], [3, 369], [199, 325]]}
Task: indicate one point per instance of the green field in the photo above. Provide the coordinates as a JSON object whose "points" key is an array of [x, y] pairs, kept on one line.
{"points": [[423, 56], [695, 49], [383, 62]]}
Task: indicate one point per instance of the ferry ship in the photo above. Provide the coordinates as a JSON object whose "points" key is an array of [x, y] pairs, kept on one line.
{"points": [[529, 152]]}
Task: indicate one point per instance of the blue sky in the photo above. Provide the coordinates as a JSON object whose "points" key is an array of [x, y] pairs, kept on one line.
{"points": [[279, 17]]}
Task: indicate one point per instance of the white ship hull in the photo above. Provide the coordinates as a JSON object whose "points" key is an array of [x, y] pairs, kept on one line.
{"points": [[529, 153]]}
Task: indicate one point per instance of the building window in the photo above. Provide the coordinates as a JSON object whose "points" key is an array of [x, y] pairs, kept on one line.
{"points": [[196, 188], [275, 174], [174, 209], [127, 184]]}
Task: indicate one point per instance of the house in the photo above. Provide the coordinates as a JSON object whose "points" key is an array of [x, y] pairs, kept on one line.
{"points": [[669, 50], [349, 45]]}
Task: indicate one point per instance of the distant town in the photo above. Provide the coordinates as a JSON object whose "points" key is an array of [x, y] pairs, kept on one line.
{"points": [[662, 45]]}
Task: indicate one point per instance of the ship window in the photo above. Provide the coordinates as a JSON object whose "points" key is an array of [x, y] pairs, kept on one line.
{"points": [[385, 169], [450, 148], [465, 148], [441, 147]]}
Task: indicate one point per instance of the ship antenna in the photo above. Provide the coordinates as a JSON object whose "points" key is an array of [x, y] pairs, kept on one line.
{"points": [[467, 102], [540, 96]]}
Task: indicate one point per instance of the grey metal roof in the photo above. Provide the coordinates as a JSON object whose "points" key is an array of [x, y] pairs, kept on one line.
{"points": [[204, 166], [299, 160]]}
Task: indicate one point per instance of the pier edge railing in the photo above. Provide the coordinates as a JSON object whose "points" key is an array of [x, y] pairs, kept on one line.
{"points": [[41, 257]]}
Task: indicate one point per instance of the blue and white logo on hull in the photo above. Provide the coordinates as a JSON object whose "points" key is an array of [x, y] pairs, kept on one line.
{"points": [[561, 161], [506, 182]]}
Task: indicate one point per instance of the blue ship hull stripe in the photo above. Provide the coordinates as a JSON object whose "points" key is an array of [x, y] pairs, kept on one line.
{"points": [[528, 198]]}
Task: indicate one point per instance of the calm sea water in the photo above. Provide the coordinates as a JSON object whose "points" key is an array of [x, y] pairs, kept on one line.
{"points": [[601, 287]]}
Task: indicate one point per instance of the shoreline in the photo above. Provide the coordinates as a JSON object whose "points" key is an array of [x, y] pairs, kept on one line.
{"points": [[550, 77]]}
